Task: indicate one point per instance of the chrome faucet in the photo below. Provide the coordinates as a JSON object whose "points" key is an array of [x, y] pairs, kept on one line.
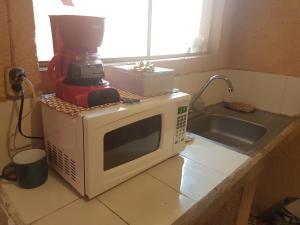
{"points": [[203, 88]]}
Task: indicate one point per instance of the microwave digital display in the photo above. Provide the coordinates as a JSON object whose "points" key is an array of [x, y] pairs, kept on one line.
{"points": [[132, 141]]}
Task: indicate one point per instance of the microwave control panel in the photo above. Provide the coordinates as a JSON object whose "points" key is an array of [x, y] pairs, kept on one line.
{"points": [[181, 124]]}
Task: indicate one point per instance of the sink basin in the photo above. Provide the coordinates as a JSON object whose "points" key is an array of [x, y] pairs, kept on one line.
{"points": [[227, 130], [246, 133]]}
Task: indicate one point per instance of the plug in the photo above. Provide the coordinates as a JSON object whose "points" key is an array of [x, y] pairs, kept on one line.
{"points": [[16, 75]]}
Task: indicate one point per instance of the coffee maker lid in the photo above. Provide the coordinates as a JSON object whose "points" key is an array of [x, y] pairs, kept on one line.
{"points": [[78, 34]]}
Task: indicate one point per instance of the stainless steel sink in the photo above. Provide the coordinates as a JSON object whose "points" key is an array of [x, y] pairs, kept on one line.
{"points": [[227, 130], [243, 132]]}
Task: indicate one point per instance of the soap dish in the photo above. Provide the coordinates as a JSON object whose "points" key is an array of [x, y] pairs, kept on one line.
{"points": [[240, 107]]}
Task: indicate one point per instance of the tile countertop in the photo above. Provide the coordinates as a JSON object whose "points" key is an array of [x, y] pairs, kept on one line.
{"points": [[165, 194]]}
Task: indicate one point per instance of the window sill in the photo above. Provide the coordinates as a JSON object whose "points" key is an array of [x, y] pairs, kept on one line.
{"points": [[161, 62]]}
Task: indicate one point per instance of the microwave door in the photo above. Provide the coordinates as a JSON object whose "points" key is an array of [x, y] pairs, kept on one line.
{"points": [[123, 148], [131, 141]]}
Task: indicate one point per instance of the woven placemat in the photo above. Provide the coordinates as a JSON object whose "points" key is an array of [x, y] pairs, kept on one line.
{"points": [[73, 110]]}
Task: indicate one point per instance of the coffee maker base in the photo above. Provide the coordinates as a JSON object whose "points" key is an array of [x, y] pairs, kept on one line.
{"points": [[87, 96]]}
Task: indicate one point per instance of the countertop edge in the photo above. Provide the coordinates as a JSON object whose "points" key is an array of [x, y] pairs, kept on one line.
{"points": [[7, 205], [199, 208]]}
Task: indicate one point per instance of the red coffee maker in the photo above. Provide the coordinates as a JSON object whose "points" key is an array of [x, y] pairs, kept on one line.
{"points": [[76, 67]]}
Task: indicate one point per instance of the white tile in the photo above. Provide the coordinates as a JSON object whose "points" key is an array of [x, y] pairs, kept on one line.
{"points": [[291, 101], [243, 84], [188, 177], [213, 155], [33, 204], [192, 83], [145, 200], [178, 82], [82, 212], [214, 93], [269, 91]]}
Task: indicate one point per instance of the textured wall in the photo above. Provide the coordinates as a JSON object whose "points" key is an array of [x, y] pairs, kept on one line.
{"points": [[4, 45], [266, 36], [17, 48], [17, 44]]}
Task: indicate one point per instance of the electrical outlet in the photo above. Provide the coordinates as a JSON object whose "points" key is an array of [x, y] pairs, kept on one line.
{"points": [[14, 80], [8, 89]]}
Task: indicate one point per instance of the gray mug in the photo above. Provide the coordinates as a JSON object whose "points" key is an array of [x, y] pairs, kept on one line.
{"points": [[28, 168]]}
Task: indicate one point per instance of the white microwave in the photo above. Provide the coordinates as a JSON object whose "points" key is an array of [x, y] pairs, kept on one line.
{"points": [[100, 148]]}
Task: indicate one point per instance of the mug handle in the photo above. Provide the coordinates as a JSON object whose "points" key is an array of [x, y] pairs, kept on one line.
{"points": [[9, 176]]}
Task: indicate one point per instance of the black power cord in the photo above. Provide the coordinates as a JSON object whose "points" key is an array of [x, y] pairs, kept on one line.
{"points": [[21, 115], [16, 76]]}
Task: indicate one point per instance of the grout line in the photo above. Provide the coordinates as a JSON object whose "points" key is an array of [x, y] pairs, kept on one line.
{"points": [[283, 95], [179, 192], [110, 209], [54, 211], [206, 166]]}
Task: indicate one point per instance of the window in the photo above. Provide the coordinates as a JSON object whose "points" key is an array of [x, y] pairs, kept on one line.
{"points": [[134, 28]]}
